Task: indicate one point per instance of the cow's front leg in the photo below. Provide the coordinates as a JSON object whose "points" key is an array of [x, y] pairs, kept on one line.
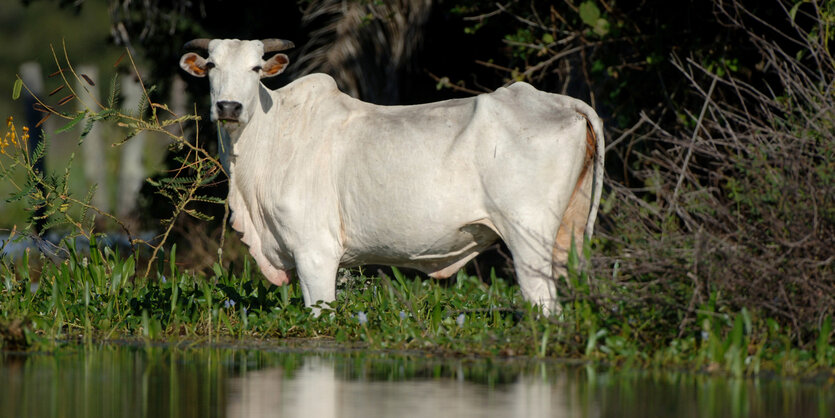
{"points": [[317, 276]]}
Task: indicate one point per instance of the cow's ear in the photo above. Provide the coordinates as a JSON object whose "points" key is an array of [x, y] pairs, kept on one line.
{"points": [[274, 66], [194, 64]]}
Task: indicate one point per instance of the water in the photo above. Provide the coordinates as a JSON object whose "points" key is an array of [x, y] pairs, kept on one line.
{"points": [[138, 381]]}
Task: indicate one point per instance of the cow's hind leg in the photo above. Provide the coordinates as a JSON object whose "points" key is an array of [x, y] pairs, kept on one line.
{"points": [[573, 225], [531, 245], [317, 276]]}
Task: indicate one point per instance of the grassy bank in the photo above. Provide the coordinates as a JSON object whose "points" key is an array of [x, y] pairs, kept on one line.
{"points": [[99, 296], [714, 251]]}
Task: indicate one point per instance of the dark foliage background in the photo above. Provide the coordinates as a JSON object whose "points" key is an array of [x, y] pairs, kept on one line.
{"points": [[719, 117]]}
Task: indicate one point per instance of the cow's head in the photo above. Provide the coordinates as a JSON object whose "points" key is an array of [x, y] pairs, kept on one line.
{"points": [[235, 69]]}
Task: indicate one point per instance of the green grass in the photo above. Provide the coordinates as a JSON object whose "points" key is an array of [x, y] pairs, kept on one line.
{"points": [[99, 296]]}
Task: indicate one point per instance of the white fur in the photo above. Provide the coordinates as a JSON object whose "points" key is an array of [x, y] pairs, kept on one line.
{"points": [[320, 180]]}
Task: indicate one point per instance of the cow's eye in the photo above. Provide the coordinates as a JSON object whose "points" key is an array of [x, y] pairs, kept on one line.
{"points": [[256, 68], [210, 65]]}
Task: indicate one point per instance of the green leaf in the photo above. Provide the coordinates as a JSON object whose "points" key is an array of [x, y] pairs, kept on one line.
{"points": [[793, 11], [39, 151], [601, 27], [589, 13], [547, 38], [822, 344], [73, 122], [209, 199], [113, 97], [18, 84], [198, 215], [87, 128], [21, 194]]}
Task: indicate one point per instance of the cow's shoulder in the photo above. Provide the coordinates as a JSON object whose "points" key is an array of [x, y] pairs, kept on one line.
{"points": [[311, 85], [316, 94]]}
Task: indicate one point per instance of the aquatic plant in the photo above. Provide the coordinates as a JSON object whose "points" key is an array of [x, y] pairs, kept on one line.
{"points": [[98, 295]]}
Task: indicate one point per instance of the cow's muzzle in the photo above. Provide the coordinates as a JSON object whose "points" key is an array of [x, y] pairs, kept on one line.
{"points": [[229, 111]]}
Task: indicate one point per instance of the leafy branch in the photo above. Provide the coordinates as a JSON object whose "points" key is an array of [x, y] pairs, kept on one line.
{"points": [[48, 196]]}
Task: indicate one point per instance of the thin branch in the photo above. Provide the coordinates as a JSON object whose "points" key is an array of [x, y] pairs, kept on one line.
{"points": [[481, 17], [628, 132], [446, 83], [673, 200], [550, 61]]}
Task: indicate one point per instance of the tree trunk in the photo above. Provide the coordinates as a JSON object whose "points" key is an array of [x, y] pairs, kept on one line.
{"points": [[131, 168], [92, 148]]}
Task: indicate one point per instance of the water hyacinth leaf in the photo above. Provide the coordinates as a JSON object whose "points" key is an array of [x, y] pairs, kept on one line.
{"points": [[822, 345], [128, 269], [172, 260], [18, 84], [225, 320]]}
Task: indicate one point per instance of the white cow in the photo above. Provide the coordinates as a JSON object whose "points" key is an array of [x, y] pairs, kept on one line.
{"points": [[321, 180]]}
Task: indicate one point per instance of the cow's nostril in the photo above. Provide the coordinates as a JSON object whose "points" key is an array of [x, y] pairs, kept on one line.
{"points": [[228, 110]]}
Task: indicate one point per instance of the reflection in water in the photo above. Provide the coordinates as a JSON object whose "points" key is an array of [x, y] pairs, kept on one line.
{"points": [[318, 390], [154, 382]]}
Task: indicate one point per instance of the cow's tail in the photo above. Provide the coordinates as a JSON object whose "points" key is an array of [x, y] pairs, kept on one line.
{"points": [[595, 149]]}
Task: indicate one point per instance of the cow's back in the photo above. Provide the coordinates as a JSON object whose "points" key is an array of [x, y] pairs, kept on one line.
{"points": [[423, 181]]}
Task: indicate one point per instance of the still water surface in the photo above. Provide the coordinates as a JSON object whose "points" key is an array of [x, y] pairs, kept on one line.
{"points": [[138, 381]]}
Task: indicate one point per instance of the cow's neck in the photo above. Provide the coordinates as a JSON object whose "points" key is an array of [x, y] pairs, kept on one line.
{"points": [[251, 137], [235, 198]]}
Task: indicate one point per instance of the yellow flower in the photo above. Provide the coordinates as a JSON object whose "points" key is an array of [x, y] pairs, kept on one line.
{"points": [[11, 135]]}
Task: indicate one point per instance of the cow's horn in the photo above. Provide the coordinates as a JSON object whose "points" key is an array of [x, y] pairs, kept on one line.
{"points": [[273, 45], [199, 43]]}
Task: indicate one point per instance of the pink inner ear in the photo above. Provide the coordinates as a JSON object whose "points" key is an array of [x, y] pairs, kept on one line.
{"points": [[191, 61], [276, 64]]}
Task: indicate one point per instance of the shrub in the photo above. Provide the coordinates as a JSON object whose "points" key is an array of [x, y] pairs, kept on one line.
{"points": [[736, 201]]}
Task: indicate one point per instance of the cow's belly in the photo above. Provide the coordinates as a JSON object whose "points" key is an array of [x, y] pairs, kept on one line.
{"points": [[435, 251], [425, 212]]}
